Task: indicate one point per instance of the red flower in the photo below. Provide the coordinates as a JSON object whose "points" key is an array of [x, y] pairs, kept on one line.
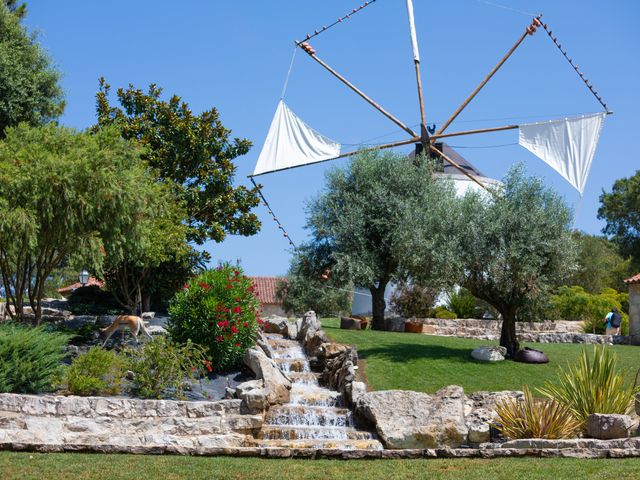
{"points": [[219, 338], [246, 324], [234, 329], [228, 286], [223, 323], [204, 285], [237, 299], [260, 321], [207, 364], [237, 309], [238, 344], [193, 369], [185, 286], [236, 272]]}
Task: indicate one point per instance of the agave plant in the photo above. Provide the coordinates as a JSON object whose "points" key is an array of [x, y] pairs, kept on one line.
{"points": [[594, 385], [535, 418]]}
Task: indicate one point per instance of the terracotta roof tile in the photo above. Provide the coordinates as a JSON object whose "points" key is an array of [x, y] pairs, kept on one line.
{"points": [[266, 289], [71, 288], [634, 279]]}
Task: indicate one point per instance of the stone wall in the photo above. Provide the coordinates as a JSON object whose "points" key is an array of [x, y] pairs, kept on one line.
{"points": [[99, 423]]}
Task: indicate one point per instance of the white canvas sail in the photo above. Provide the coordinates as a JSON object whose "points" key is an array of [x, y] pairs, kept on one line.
{"points": [[568, 145], [291, 143]]}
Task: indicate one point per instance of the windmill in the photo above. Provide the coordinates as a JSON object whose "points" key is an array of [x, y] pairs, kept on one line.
{"points": [[567, 145]]}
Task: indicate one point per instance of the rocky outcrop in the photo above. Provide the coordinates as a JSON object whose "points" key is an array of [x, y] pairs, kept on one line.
{"points": [[254, 395], [128, 424], [480, 413], [340, 365], [607, 426], [489, 354], [275, 382], [312, 336], [405, 419]]}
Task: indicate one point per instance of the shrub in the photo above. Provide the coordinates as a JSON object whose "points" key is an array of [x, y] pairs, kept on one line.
{"points": [[463, 304], [594, 385], [93, 300], [411, 300], [219, 311], [96, 372], [535, 418], [442, 312], [573, 303], [161, 366], [30, 358]]}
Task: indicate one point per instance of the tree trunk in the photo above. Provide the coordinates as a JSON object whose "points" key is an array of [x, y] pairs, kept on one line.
{"points": [[508, 338], [146, 302], [378, 306]]}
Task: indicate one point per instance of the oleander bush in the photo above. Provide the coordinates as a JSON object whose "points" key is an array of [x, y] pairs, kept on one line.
{"points": [[160, 367], [30, 358], [219, 311], [535, 418], [96, 372], [594, 385]]}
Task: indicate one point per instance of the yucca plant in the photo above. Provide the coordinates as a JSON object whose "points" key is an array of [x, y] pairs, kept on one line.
{"points": [[535, 418], [594, 385]]}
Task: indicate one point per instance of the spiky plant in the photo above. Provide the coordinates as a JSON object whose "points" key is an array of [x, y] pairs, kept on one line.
{"points": [[535, 418], [594, 385]]}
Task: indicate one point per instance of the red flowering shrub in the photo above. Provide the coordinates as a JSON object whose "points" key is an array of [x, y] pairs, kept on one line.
{"points": [[219, 311]]}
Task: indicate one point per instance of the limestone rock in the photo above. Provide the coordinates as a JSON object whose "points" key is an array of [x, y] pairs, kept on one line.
{"points": [[405, 419], [253, 393], [395, 324], [275, 382], [489, 354], [330, 349], [148, 315], [293, 329], [275, 324], [606, 426]]}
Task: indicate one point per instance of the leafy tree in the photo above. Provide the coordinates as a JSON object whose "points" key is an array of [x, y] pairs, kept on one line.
{"points": [[29, 89], [599, 264], [515, 246], [368, 223], [194, 152], [304, 290], [621, 210], [62, 193]]}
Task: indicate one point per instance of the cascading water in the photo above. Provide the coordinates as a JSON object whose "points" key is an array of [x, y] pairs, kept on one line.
{"points": [[316, 416]]}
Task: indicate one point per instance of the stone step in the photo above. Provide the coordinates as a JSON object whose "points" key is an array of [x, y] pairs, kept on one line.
{"points": [[318, 397], [309, 416], [370, 444], [304, 377], [298, 432]]}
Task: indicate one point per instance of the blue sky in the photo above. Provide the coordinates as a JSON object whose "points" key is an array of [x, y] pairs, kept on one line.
{"points": [[234, 55]]}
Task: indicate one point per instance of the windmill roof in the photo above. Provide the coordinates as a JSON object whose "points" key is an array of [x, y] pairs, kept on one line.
{"points": [[459, 159]]}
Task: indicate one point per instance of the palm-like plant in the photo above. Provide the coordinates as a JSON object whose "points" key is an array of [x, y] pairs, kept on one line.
{"points": [[535, 418], [594, 385]]}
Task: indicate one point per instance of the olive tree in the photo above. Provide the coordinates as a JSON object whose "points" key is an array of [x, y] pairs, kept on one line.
{"points": [[369, 217], [515, 246]]}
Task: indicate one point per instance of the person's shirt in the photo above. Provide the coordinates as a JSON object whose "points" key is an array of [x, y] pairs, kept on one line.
{"points": [[608, 318]]}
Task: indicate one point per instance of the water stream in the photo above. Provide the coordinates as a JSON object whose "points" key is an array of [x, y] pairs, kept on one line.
{"points": [[315, 417]]}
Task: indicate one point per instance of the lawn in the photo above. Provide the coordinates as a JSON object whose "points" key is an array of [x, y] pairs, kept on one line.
{"points": [[54, 466], [425, 363]]}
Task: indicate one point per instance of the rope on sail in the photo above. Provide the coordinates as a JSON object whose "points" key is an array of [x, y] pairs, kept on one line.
{"points": [[273, 215], [317, 32]]}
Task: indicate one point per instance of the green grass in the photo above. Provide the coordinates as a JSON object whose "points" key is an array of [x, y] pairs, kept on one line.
{"points": [[54, 466], [426, 363]]}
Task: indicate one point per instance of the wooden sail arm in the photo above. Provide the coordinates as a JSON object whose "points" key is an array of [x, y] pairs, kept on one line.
{"points": [[455, 165], [530, 30], [311, 52], [436, 136], [400, 143]]}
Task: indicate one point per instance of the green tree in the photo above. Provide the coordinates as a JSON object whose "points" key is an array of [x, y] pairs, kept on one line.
{"points": [[29, 88], [195, 152], [599, 264], [62, 193], [621, 210], [368, 223], [515, 246], [156, 234], [303, 289]]}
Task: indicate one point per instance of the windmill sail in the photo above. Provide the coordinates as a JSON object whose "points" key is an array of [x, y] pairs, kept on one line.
{"points": [[412, 31], [291, 143], [565, 145]]}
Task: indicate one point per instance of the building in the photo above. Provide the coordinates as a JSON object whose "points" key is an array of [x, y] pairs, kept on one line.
{"points": [[634, 308], [266, 292], [69, 289]]}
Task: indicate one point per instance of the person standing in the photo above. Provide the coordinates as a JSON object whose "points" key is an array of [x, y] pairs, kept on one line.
{"points": [[613, 320]]}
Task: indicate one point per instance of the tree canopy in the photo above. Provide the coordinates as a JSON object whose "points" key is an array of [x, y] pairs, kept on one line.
{"points": [[194, 152], [29, 83], [515, 246], [369, 217], [620, 208], [63, 194]]}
